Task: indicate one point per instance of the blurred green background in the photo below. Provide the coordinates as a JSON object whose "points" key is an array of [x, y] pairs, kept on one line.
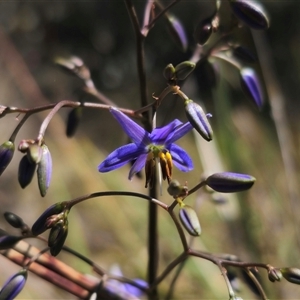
{"points": [[260, 225]]}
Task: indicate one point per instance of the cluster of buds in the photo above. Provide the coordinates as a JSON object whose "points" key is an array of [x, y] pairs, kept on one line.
{"points": [[36, 157], [56, 219]]}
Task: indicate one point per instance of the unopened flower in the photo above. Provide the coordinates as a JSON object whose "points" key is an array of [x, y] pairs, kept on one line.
{"points": [[189, 220], [6, 154], [148, 149], [44, 170], [13, 286]]}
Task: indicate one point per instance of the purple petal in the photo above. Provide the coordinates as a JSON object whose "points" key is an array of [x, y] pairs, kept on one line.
{"points": [[120, 157], [138, 165], [160, 134], [137, 134], [180, 158], [177, 31], [179, 132]]}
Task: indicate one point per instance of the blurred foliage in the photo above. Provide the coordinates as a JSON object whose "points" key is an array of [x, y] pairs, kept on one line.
{"points": [[113, 230]]}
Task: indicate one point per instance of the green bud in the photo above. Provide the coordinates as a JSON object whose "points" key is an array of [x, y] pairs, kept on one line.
{"points": [[175, 189], [184, 69], [251, 13], [34, 153], [14, 220], [57, 237], [189, 220], [169, 72], [7, 150], [227, 182], [44, 170], [291, 274], [274, 274]]}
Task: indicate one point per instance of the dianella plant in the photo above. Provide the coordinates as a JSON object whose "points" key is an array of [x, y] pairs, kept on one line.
{"points": [[164, 167]]}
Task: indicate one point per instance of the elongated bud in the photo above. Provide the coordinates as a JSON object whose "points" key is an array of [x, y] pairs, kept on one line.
{"points": [[176, 189], [8, 241], [34, 153], [14, 220], [44, 170], [184, 69], [189, 220], [57, 237], [227, 182], [274, 274], [42, 223], [26, 171], [7, 150], [251, 13], [251, 86], [13, 286], [177, 32], [169, 72], [73, 121], [198, 119], [291, 274]]}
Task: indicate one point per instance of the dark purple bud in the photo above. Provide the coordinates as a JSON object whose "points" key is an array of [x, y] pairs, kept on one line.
{"points": [[244, 54], [42, 223], [134, 290], [291, 274], [26, 171], [73, 121], [227, 182], [7, 150], [14, 220], [13, 286], [44, 170], [184, 69], [189, 220], [57, 237], [251, 13], [198, 119], [274, 274], [177, 32], [169, 72], [251, 86], [203, 31], [34, 153], [8, 241]]}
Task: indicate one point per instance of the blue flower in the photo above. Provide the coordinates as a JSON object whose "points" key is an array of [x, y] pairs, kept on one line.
{"points": [[149, 149]]}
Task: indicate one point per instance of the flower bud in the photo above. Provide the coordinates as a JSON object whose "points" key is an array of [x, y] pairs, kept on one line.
{"points": [[8, 241], [34, 153], [57, 237], [13, 286], [274, 274], [73, 121], [175, 189], [26, 171], [169, 72], [251, 86], [177, 32], [291, 274], [189, 220], [227, 182], [251, 13], [44, 170], [6, 154], [198, 119], [14, 220], [184, 69], [42, 223], [203, 31]]}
